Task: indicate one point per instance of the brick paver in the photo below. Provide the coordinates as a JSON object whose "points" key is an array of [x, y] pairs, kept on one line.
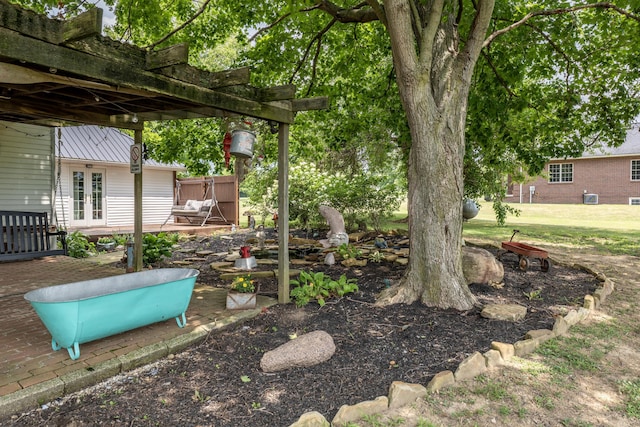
{"points": [[26, 356]]}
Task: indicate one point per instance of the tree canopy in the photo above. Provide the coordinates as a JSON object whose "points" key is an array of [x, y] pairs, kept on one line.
{"points": [[462, 92]]}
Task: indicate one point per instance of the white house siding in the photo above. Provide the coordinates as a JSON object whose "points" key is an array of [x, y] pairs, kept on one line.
{"points": [[26, 167], [157, 189]]}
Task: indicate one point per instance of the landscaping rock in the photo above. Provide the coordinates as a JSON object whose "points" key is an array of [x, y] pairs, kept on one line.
{"points": [[471, 367], [350, 413], [480, 266], [311, 419], [508, 312], [402, 394], [306, 350]]}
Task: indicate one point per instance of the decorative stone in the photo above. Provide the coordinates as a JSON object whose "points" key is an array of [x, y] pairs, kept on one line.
{"points": [[306, 350], [524, 347], [541, 335], [572, 318], [589, 302], [560, 327], [219, 265], [508, 312], [402, 261], [493, 358], [480, 266], [441, 380], [506, 350], [471, 367], [402, 394], [311, 419], [330, 259], [350, 413], [204, 253], [353, 262]]}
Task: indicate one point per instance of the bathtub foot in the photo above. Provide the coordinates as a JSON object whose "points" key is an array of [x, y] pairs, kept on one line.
{"points": [[181, 320], [74, 353]]}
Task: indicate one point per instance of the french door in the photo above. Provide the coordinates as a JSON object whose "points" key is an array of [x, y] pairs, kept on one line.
{"points": [[87, 197]]}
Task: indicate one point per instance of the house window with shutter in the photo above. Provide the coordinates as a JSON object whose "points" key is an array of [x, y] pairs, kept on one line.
{"points": [[561, 172]]}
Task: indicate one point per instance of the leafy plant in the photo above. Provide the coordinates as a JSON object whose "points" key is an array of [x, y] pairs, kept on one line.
{"points": [[243, 284], [79, 246], [533, 295], [376, 256], [347, 251], [319, 287], [155, 247], [105, 239]]}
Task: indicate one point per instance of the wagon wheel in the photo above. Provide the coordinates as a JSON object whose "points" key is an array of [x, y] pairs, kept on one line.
{"points": [[545, 264], [523, 263]]}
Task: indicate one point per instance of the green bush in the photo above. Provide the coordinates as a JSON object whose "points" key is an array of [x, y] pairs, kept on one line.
{"points": [[79, 246], [155, 247], [365, 197], [318, 286]]}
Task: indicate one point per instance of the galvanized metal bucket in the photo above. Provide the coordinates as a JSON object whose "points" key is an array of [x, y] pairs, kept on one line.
{"points": [[242, 141]]}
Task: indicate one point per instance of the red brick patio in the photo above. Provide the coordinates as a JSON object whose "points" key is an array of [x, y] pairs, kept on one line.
{"points": [[27, 361]]}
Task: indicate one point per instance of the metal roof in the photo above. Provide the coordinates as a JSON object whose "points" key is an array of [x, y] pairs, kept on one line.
{"points": [[99, 144]]}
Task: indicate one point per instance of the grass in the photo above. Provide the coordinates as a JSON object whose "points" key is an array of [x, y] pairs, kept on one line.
{"points": [[600, 229]]}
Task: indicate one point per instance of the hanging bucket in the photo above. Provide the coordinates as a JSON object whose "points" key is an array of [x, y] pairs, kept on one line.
{"points": [[242, 143]]}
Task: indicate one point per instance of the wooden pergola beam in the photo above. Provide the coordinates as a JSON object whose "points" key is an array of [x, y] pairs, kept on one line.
{"points": [[13, 45]]}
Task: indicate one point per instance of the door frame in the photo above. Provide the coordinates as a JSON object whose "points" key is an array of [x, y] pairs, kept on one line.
{"points": [[88, 220]]}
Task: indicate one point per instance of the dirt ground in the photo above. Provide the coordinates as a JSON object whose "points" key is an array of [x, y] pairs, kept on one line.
{"points": [[219, 382]]}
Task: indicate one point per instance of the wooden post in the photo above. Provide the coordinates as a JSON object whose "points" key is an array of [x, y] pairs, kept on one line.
{"points": [[137, 210], [283, 213]]}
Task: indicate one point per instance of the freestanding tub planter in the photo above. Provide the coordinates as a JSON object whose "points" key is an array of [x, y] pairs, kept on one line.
{"points": [[79, 312]]}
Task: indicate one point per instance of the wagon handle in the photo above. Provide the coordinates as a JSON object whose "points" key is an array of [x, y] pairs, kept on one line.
{"points": [[514, 233]]}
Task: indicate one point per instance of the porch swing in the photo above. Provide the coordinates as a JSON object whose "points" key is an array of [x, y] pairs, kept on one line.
{"points": [[198, 211]]}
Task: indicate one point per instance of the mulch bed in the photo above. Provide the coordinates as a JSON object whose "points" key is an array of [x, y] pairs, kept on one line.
{"points": [[219, 382]]}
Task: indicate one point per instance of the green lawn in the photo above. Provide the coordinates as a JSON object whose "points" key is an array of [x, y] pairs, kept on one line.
{"points": [[604, 229]]}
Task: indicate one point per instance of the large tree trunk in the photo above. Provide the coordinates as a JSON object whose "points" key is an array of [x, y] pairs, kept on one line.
{"points": [[434, 78]]}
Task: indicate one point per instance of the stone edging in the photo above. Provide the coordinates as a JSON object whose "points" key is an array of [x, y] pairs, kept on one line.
{"points": [[403, 394]]}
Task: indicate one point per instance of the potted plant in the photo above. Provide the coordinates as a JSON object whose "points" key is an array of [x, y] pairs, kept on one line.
{"points": [[242, 294], [106, 244]]}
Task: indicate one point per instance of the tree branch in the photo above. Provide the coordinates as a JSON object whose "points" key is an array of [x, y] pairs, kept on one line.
{"points": [[527, 17], [184, 24], [316, 38], [268, 27], [360, 13]]}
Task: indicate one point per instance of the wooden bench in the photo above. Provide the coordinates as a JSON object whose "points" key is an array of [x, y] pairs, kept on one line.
{"points": [[27, 235]]}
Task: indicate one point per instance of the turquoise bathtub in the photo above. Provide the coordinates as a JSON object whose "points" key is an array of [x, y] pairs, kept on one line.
{"points": [[80, 312]]}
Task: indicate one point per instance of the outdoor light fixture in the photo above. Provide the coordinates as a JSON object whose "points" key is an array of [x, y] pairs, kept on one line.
{"points": [[135, 118]]}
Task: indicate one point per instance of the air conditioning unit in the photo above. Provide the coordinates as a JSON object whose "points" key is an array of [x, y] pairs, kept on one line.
{"points": [[590, 199]]}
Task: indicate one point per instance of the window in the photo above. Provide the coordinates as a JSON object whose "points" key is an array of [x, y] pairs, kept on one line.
{"points": [[561, 172], [635, 201], [635, 170]]}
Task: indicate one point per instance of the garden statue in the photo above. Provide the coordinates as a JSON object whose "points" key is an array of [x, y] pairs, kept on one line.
{"points": [[337, 234]]}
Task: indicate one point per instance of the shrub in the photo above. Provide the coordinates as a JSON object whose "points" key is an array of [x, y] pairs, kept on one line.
{"points": [[319, 287], [79, 246], [362, 197], [155, 247]]}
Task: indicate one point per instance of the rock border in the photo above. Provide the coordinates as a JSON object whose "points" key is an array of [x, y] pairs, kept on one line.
{"points": [[403, 394]]}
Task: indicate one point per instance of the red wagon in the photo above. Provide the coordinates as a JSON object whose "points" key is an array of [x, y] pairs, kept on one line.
{"points": [[525, 252]]}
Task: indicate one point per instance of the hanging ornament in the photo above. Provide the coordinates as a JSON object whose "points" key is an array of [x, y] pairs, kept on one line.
{"points": [[226, 146]]}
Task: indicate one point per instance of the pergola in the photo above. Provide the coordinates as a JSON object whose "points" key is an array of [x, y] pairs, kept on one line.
{"points": [[56, 73]]}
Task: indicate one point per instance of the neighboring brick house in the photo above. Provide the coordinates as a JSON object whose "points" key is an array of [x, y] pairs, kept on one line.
{"points": [[605, 176]]}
